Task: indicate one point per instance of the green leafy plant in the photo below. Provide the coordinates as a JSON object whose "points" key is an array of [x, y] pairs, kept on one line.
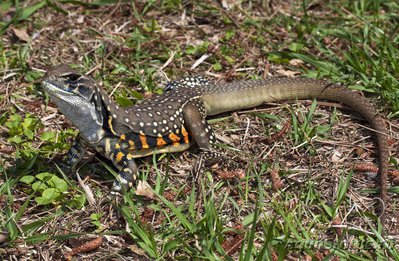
{"points": [[51, 189], [21, 130]]}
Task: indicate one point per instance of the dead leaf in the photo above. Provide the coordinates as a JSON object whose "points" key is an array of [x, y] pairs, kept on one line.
{"points": [[233, 245], [84, 248], [80, 19], [144, 189], [296, 62], [286, 73], [148, 95], [229, 175], [336, 157], [229, 4], [87, 190], [21, 34], [276, 180], [337, 222], [138, 251], [3, 237]]}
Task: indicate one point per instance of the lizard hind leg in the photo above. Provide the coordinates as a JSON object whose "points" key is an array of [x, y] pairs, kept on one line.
{"points": [[194, 119]]}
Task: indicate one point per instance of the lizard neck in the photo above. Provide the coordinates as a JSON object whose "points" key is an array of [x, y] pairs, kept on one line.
{"points": [[90, 118], [113, 117]]}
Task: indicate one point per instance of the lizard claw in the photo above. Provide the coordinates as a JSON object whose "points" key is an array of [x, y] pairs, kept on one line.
{"points": [[124, 180], [198, 167]]}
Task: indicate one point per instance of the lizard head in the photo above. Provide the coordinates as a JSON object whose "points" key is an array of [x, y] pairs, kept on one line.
{"points": [[63, 82], [78, 98]]}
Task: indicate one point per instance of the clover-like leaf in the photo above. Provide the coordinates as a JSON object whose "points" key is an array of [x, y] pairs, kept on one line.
{"points": [[48, 196]]}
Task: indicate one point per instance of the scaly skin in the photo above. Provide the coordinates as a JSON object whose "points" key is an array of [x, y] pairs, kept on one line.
{"points": [[175, 120]]}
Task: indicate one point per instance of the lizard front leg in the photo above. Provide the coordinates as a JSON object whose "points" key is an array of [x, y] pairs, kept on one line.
{"points": [[127, 174], [194, 118], [118, 153], [75, 154]]}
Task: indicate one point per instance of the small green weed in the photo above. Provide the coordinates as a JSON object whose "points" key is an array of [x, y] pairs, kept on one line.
{"points": [[95, 219], [343, 187], [303, 130]]}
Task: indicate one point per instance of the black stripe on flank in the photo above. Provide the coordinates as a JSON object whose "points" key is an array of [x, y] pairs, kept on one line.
{"points": [[181, 136], [167, 139], [151, 141], [136, 139]]}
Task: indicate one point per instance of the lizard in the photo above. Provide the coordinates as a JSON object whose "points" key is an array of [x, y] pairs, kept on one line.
{"points": [[176, 119]]}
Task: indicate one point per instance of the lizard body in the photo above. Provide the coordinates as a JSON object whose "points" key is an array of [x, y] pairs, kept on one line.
{"points": [[175, 120]]}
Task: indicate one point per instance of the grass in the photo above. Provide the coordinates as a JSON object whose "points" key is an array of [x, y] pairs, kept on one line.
{"points": [[323, 210]]}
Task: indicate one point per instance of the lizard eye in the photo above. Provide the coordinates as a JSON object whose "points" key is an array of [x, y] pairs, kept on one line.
{"points": [[73, 77]]}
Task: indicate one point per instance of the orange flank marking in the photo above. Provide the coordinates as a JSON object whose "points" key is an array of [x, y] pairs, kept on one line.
{"points": [[119, 156], [122, 137], [175, 139], [132, 145], [160, 142], [185, 134], [144, 143]]}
